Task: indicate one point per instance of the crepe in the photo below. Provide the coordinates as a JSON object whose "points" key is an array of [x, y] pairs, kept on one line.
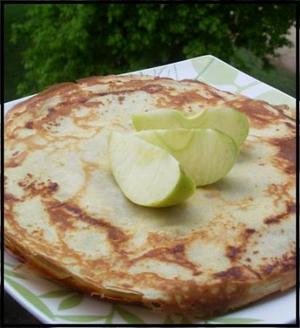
{"points": [[231, 243]]}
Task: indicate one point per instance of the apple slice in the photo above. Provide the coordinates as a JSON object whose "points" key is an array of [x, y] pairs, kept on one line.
{"points": [[148, 175], [224, 119], [206, 155]]}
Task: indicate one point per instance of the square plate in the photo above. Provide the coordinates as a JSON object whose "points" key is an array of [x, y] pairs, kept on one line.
{"points": [[53, 304]]}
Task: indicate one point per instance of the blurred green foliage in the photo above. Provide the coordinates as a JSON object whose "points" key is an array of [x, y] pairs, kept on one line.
{"points": [[66, 41], [13, 69]]}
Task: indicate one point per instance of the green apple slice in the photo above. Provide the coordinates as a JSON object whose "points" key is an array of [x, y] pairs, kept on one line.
{"points": [[148, 175], [224, 119], [206, 155], [161, 119]]}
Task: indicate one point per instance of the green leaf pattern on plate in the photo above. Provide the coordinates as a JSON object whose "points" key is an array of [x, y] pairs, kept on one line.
{"points": [[128, 316], [81, 318], [207, 69], [109, 318], [30, 297], [200, 64], [56, 293], [11, 273], [238, 81], [234, 320], [71, 301]]}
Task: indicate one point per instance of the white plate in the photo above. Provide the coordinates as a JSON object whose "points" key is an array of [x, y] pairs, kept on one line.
{"points": [[53, 304]]}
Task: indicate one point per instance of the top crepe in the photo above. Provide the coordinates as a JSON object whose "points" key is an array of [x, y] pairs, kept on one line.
{"points": [[231, 243]]}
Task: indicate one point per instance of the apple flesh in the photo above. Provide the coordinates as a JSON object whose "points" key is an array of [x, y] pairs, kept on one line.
{"points": [[205, 155], [147, 174], [223, 119]]}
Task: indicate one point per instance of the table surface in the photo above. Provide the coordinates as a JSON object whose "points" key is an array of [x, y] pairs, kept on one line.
{"points": [[15, 314]]}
